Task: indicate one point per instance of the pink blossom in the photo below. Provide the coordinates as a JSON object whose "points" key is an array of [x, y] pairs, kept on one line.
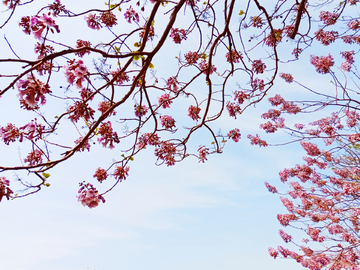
{"points": [[274, 38], [167, 121], [204, 66], [258, 66], [240, 96], [148, 139], [352, 118], [9, 133], [108, 136], [354, 24], [140, 110], [120, 77], [172, 84], [131, 15], [271, 114], [178, 35], [4, 188], [233, 56], [233, 109], [287, 203], [166, 151], [76, 72], [37, 25], [192, 57], [328, 18], [326, 37], [257, 84], [100, 174], [285, 219], [203, 152], [299, 126], [271, 188], [34, 157], [32, 92], [323, 63], [234, 134], [121, 173], [286, 237], [287, 77], [255, 140], [93, 21], [193, 112], [273, 252], [89, 196], [165, 101]]}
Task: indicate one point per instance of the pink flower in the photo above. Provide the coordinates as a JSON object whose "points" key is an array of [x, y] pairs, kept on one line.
{"points": [[233, 109], [204, 66], [310, 148], [104, 106], [258, 66], [354, 24], [120, 77], [121, 173], [273, 252], [203, 152], [93, 21], [257, 84], [100, 174], [287, 77], [166, 151], [270, 188], [286, 237], [167, 121], [233, 56], [274, 38], [9, 133], [271, 114], [148, 139], [165, 101], [326, 37], [108, 136], [193, 112], [34, 157], [140, 110], [178, 35], [234, 134], [255, 140], [76, 72], [323, 63], [32, 92], [172, 84], [4, 188], [328, 18], [89, 195], [131, 14], [240, 96], [276, 100], [192, 57]]}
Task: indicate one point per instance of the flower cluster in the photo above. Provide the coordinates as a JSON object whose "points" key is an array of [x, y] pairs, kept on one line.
{"points": [[88, 195], [121, 173], [80, 44], [166, 151], [100, 174], [233, 109], [75, 72], [9, 133], [255, 140], [323, 63], [104, 106], [32, 92], [204, 66], [120, 77], [326, 37], [192, 57], [80, 109], [108, 136], [167, 121], [37, 24], [258, 66], [140, 110], [203, 152], [349, 60], [4, 188], [131, 15], [108, 19], [274, 38], [233, 56], [172, 84], [34, 157], [93, 21], [287, 77], [193, 112], [178, 35], [257, 84], [165, 101], [234, 134], [328, 18], [148, 139]]}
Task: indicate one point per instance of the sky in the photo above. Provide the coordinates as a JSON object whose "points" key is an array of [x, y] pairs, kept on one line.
{"points": [[216, 215]]}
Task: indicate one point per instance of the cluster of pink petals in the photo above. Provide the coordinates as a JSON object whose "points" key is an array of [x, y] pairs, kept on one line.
{"points": [[323, 63], [165, 101], [270, 188], [166, 151], [178, 35], [100, 174], [193, 112], [287, 77], [167, 121], [34, 157], [192, 57], [32, 91], [255, 140], [108, 136], [203, 152], [140, 110], [93, 21], [354, 24], [349, 60], [89, 196], [172, 84], [76, 72], [121, 173], [326, 37], [148, 139], [131, 15], [286, 237], [37, 25], [257, 84], [233, 56], [258, 66], [120, 77], [233, 109], [9, 133], [329, 18], [241, 96], [234, 134], [204, 66], [4, 188]]}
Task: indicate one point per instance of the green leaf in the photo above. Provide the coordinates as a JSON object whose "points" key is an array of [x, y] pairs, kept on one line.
{"points": [[46, 175], [151, 66], [136, 57], [241, 12], [131, 158], [47, 184]]}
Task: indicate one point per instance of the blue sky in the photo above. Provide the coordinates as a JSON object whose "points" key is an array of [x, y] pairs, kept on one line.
{"points": [[216, 215]]}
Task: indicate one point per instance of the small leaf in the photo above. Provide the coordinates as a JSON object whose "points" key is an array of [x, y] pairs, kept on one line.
{"points": [[241, 12], [131, 158], [46, 175], [151, 66], [47, 184], [136, 57]]}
